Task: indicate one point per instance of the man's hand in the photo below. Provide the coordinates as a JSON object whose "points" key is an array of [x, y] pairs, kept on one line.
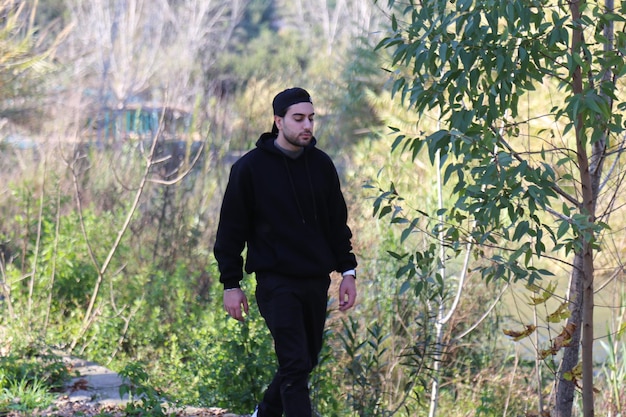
{"points": [[234, 300], [347, 292]]}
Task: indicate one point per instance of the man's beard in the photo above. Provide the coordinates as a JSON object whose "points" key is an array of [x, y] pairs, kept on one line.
{"points": [[296, 141]]}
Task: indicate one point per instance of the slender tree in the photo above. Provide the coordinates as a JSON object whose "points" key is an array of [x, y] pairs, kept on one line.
{"points": [[548, 73]]}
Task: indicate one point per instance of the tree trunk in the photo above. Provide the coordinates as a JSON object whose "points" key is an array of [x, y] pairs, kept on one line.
{"points": [[565, 389], [587, 207], [587, 331]]}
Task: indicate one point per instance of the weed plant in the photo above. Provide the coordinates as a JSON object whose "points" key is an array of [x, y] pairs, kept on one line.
{"points": [[144, 399], [29, 380], [614, 372], [25, 395]]}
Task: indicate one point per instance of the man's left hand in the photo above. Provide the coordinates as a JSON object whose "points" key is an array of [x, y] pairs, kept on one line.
{"points": [[347, 292]]}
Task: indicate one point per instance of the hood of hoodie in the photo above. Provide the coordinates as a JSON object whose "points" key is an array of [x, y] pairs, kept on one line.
{"points": [[266, 142]]}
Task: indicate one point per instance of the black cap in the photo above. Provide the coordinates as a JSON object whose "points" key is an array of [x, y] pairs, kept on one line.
{"points": [[288, 98]]}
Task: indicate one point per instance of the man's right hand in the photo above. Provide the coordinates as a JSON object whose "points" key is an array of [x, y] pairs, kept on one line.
{"points": [[236, 303]]}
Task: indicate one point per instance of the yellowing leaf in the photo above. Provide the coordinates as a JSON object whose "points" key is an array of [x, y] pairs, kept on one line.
{"points": [[518, 335], [536, 301], [545, 353], [544, 413], [575, 374], [560, 313], [577, 370], [544, 296], [562, 340]]}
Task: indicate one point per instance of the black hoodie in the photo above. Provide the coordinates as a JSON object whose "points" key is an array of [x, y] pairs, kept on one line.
{"points": [[290, 213]]}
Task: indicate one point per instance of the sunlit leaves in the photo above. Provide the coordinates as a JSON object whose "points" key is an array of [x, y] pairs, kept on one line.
{"points": [[474, 89]]}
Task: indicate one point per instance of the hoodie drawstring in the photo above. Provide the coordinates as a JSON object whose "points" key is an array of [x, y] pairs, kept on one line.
{"points": [[308, 175], [293, 188]]}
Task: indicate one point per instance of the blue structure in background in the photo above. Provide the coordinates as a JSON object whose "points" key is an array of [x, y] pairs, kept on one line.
{"points": [[139, 122]]}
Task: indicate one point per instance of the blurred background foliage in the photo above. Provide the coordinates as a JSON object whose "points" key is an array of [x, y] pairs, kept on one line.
{"points": [[119, 121]]}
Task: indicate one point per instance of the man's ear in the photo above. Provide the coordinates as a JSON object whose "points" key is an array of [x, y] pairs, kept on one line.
{"points": [[279, 122]]}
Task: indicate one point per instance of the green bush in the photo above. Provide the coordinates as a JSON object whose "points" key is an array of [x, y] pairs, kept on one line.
{"points": [[215, 361]]}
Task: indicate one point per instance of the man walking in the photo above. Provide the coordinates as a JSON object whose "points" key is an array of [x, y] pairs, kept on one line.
{"points": [[283, 200]]}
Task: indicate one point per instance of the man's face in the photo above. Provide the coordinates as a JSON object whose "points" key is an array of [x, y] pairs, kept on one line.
{"points": [[296, 128]]}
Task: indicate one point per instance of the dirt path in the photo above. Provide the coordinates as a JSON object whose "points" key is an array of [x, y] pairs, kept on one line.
{"points": [[95, 391]]}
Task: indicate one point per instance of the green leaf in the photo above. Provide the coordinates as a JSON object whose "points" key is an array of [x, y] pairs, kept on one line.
{"points": [[564, 227], [408, 230], [384, 211], [406, 285], [521, 230]]}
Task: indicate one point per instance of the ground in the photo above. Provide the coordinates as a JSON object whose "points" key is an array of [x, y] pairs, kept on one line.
{"points": [[91, 409]]}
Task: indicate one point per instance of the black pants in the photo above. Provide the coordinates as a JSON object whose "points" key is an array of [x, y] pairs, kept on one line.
{"points": [[294, 310]]}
